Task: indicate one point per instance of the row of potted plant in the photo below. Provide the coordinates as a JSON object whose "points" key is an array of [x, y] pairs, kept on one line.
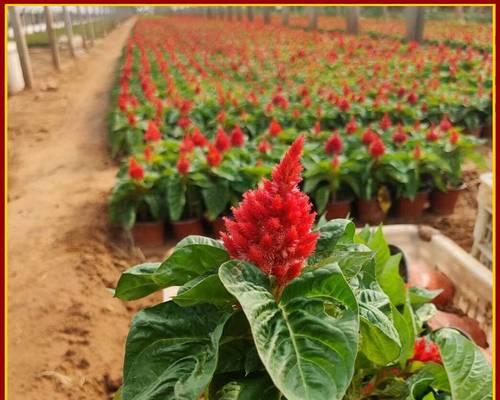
{"points": [[284, 308]]}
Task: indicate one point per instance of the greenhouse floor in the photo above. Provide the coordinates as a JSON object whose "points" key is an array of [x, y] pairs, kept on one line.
{"points": [[65, 346]]}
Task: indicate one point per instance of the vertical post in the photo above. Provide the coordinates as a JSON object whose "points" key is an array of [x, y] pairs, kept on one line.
{"points": [[250, 14], [415, 24], [286, 16], [51, 33], [69, 31], [313, 19], [267, 14], [352, 20], [385, 11], [459, 12], [239, 14], [90, 24], [22, 48], [83, 27], [229, 13]]}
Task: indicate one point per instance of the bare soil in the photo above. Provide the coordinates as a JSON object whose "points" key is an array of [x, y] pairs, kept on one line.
{"points": [[65, 330]]}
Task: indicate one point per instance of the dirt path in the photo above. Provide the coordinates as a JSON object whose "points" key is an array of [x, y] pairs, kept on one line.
{"points": [[65, 331]]}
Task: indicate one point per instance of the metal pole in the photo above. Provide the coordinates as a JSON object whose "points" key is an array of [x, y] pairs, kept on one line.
{"points": [[313, 19], [83, 27], [267, 14], [352, 20], [90, 23], [286, 16], [415, 24], [22, 48], [51, 33], [69, 31], [250, 13]]}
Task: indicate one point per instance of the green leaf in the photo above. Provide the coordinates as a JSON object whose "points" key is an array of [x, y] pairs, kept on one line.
{"points": [[137, 282], [171, 352], [424, 313], [331, 233], [469, 373], [176, 197], [351, 258], [405, 325], [321, 198], [204, 290], [391, 281], [421, 296], [216, 199], [193, 256], [430, 376], [249, 389], [309, 354]]}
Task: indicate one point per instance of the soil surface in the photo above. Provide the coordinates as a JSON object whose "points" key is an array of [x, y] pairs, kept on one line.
{"points": [[65, 331]]}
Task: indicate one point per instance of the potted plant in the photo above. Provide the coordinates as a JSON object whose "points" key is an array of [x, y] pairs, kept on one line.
{"points": [[280, 309], [455, 149], [136, 203]]}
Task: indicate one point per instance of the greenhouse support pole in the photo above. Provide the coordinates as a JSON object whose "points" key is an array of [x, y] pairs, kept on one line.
{"points": [[250, 13], [90, 23], [352, 20], [415, 23], [239, 15], [81, 22], [286, 16], [229, 13], [69, 31], [313, 18], [51, 33], [22, 47], [267, 14]]}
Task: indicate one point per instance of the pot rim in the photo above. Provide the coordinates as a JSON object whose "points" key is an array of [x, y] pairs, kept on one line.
{"points": [[145, 223], [186, 221]]}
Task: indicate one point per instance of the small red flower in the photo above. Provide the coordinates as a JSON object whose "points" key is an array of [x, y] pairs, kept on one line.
{"points": [[412, 98], [184, 122], [135, 170], [385, 122], [272, 225], [432, 135], [296, 113], [214, 158], [152, 133], [183, 165], [445, 124], [454, 136], [334, 144], [368, 136], [376, 148], [274, 128], [400, 136], [344, 104], [351, 126], [317, 127], [237, 137], [199, 139], [222, 141], [132, 120], [426, 351], [221, 117], [335, 162], [187, 145], [148, 153], [264, 146], [417, 152]]}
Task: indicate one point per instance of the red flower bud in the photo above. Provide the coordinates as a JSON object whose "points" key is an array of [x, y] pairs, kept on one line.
{"points": [[417, 152], [237, 137], [454, 136], [368, 136], [334, 144], [152, 133], [183, 165], [274, 128], [432, 135], [445, 124], [385, 122], [222, 141], [426, 351], [214, 158], [135, 170], [199, 139], [264, 146], [399, 136], [351, 126], [376, 148]]}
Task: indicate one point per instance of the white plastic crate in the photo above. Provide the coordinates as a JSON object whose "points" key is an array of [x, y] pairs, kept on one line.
{"points": [[483, 231], [472, 280]]}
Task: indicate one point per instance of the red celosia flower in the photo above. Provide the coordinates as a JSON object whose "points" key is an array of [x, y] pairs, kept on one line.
{"points": [[222, 141], [351, 126], [152, 133], [412, 98], [182, 165], [344, 104], [274, 128], [334, 144], [295, 113], [187, 145], [368, 136], [454, 136], [221, 117], [377, 148], [199, 139], [237, 137], [417, 152], [214, 158], [148, 153], [385, 122], [317, 127], [184, 122], [426, 351], [272, 225], [432, 135], [399, 136], [132, 121], [445, 124], [135, 170], [264, 146]]}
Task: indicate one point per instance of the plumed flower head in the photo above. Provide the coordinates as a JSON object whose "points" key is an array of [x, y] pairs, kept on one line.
{"points": [[237, 137], [399, 136], [274, 128], [426, 351], [222, 141], [214, 158], [334, 144], [135, 170], [385, 122], [272, 225], [376, 148], [183, 165], [152, 133]]}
